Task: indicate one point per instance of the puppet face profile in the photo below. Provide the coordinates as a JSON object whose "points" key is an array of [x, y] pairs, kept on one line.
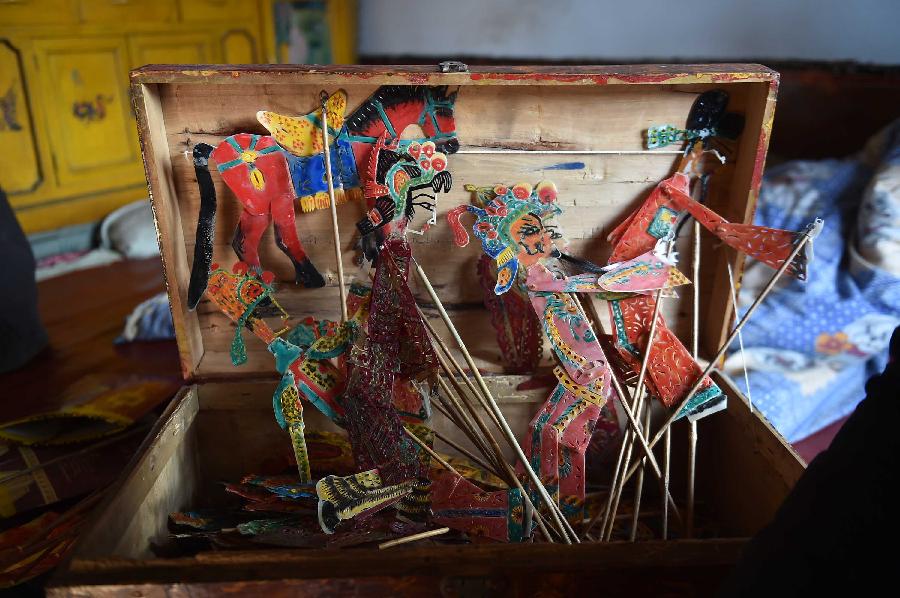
{"points": [[515, 225], [400, 181], [534, 236]]}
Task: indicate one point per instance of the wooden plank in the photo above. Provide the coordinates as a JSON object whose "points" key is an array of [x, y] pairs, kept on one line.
{"points": [[738, 204], [243, 409], [747, 469], [649, 580], [478, 560], [631, 74], [166, 217], [132, 498]]}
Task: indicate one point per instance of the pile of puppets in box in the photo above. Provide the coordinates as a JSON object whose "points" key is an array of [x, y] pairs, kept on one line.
{"points": [[382, 371]]}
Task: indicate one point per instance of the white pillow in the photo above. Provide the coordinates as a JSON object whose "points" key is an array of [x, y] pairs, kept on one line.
{"points": [[130, 231]]}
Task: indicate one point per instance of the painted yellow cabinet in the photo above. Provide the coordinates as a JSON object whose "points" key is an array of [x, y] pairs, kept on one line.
{"points": [[38, 12], [23, 174], [183, 48], [65, 110], [122, 11], [84, 83]]}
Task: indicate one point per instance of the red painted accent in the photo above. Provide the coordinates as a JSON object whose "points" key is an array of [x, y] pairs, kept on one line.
{"points": [[660, 78], [417, 78], [726, 77], [460, 236], [759, 162], [273, 167], [596, 79]]}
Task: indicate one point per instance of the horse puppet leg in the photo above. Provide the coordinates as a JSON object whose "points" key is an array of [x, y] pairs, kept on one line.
{"points": [[289, 242], [247, 236]]}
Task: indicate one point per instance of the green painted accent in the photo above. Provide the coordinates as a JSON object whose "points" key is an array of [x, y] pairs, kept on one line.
{"points": [[620, 329], [298, 440], [663, 222], [699, 398], [515, 515], [665, 135]]}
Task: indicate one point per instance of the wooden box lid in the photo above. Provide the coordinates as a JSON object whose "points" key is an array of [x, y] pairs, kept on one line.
{"points": [[583, 127]]}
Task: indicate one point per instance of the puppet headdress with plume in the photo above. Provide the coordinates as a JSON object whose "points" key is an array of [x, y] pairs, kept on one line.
{"points": [[492, 224], [395, 174]]}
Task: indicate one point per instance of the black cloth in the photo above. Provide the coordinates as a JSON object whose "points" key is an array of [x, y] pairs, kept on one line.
{"points": [[835, 530], [21, 333]]}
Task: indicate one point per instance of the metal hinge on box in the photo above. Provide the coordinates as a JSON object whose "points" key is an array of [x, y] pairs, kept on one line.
{"points": [[453, 66]]}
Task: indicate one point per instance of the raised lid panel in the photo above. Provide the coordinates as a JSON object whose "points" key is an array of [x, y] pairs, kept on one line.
{"points": [[497, 109]]}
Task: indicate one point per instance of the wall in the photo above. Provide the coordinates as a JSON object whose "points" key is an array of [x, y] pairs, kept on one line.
{"points": [[820, 30]]}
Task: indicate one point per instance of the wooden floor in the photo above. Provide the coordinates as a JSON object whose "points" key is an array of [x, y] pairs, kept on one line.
{"points": [[83, 313]]}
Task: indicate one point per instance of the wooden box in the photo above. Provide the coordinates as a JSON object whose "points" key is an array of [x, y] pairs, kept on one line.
{"points": [[221, 425]]}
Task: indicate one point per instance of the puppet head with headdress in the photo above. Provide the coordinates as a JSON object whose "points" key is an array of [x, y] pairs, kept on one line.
{"points": [[514, 225], [400, 180]]}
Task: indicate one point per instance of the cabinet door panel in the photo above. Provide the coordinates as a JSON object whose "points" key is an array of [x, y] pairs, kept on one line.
{"points": [[22, 173], [37, 12], [189, 48], [239, 47], [128, 11], [207, 11], [92, 130]]}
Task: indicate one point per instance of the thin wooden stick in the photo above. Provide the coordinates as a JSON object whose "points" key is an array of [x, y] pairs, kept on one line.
{"points": [[496, 451], [333, 202], [469, 414], [466, 453], [634, 427], [571, 152], [431, 452], [659, 476], [460, 372], [413, 538], [695, 275], [639, 401], [568, 536], [473, 432], [450, 413], [450, 468], [495, 455], [632, 420], [452, 363], [667, 457], [693, 435], [604, 513], [639, 484], [445, 360], [626, 441], [617, 492], [804, 238], [740, 337], [446, 412]]}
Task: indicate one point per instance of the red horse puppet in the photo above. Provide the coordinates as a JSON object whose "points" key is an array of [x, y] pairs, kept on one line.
{"points": [[267, 173]]}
